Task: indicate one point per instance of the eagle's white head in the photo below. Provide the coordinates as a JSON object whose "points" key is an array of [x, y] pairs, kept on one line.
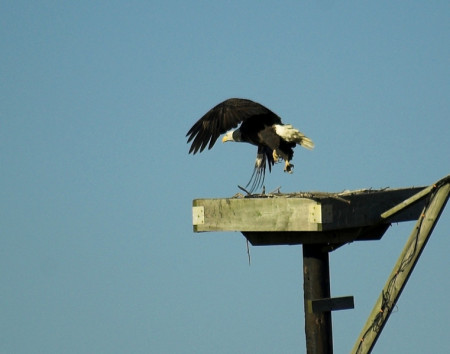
{"points": [[232, 135]]}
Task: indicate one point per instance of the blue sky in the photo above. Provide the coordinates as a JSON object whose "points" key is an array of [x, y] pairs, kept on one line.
{"points": [[97, 253]]}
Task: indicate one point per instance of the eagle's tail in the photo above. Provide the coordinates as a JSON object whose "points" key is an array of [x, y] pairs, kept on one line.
{"points": [[288, 133], [306, 142]]}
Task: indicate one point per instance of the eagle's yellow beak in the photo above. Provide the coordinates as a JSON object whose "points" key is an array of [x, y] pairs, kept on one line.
{"points": [[228, 137]]}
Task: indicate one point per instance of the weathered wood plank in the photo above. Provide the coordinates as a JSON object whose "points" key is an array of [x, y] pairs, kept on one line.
{"points": [[331, 304], [258, 214]]}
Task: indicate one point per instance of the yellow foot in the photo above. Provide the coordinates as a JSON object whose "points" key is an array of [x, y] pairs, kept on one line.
{"points": [[288, 167], [275, 156]]}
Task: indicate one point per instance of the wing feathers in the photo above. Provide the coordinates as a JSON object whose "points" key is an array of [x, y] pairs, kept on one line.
{"points": [[220, 119]]}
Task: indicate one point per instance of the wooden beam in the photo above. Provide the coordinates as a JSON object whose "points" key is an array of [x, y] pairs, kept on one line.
{"points": [[402, 270], [331, 238], [406, 203], [331, 304]]}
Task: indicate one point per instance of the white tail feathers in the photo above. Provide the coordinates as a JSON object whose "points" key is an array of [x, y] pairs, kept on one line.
{"points": [[290, 134], [307, 143]]}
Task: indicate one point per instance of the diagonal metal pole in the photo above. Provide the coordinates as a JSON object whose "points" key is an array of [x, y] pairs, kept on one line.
{"points": [[402, 269]]}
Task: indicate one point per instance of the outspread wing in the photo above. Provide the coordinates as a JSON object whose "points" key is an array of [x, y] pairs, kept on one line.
{"points": [[221, 118]]}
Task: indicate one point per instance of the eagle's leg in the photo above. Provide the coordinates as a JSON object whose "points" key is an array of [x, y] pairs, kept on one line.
{"points": [[276, 157], [288, 167]]}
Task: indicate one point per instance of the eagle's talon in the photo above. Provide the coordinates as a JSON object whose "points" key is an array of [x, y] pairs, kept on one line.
{"points": [[288, 167]]}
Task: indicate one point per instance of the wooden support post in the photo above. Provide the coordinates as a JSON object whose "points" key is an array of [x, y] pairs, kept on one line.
{"points": [[402, 270], [316, 285]]}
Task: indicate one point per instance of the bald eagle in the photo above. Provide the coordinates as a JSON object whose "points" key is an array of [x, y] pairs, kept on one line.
{"points": [[258, 126]]}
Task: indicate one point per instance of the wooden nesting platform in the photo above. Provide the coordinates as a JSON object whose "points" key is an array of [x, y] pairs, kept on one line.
{"points": [[322, 222], [309, 217]]}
